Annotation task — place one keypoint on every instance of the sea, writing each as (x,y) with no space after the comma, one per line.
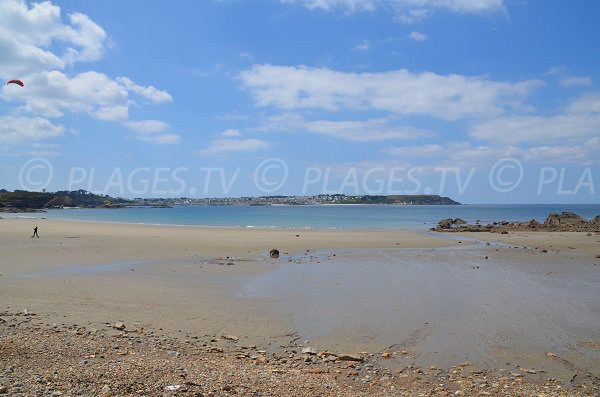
(408,217)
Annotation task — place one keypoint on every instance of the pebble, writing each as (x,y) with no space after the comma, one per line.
(309,350)
(119,325)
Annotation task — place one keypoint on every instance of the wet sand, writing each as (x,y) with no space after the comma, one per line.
(425,299)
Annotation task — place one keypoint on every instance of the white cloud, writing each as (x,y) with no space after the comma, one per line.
(580,120)
(112,113)
(378,129)
(574,81)
(160,139)
(400,92)
(147,126)
(588,103)
(24,130)
(149,92)
(151,131)
(87,36)
(221,145)
(349,6)
(465,154)
(417,36)
(52,93)
(37,43)
(406,10)
(28,34)
(417,150)
(521,129)
(231,133)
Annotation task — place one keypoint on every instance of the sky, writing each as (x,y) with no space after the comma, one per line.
(484,101)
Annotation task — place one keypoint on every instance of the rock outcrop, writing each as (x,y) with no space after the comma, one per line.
(563,222)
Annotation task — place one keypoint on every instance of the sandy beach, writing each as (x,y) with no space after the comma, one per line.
(520,308)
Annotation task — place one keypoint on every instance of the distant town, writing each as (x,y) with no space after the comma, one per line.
(321,199)
(21,200)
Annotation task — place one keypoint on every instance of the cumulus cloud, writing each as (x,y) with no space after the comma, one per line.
(400,92)
(52,93)
(378,129)
(25,130)
(580,120)
(27,36)
(37,43)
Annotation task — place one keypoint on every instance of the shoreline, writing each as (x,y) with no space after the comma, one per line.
(345,291)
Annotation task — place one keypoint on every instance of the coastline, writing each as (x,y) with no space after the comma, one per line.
(338,289)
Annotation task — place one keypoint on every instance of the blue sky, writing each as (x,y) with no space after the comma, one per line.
(485,101)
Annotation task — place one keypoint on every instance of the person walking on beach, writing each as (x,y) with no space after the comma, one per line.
(35,234)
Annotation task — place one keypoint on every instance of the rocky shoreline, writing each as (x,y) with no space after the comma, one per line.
(43,359)
(563,222)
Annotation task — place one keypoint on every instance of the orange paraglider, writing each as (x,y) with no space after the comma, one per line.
(18,82)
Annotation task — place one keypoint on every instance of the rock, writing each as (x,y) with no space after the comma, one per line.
(459,221)
(504,232)
(274,253)
(3,389)
(565,218)
(230,337)
(350,357)
(119,325)
(309,350)
(445,223)
(106,389)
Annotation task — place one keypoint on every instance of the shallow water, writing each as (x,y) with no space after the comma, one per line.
(442,305)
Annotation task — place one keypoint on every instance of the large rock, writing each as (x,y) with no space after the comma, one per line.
(445,223)
(565,218)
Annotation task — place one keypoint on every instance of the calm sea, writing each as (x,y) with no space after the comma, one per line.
(320,217)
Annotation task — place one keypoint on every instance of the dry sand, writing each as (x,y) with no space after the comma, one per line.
(190,286)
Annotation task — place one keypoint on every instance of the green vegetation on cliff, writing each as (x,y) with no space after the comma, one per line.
(417,199)
(21,199)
